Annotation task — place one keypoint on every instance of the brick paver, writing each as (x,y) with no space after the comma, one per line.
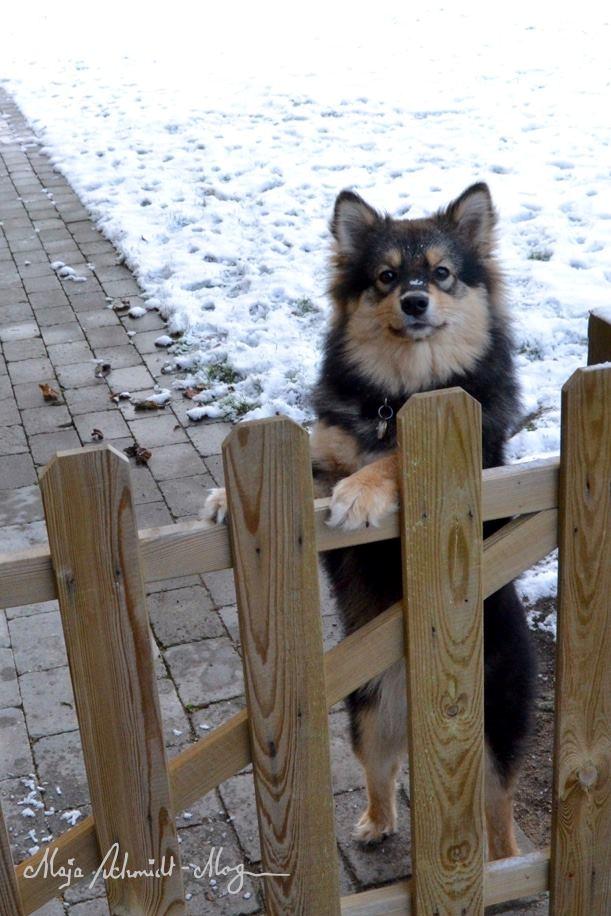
(52,331)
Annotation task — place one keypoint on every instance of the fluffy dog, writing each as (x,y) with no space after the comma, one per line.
(418,305)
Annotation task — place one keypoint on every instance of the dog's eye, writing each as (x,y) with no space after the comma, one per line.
(441,273)
(387,276)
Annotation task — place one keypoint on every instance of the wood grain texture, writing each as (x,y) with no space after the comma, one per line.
(10,899)
(581,813)
(94,545)
(191,548)
(271,522)
(356,660)
(440,455)
(504,880)
(599,337)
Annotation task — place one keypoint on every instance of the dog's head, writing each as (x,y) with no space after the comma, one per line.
(408,279)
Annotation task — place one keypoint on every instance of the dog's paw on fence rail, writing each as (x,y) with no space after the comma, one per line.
(215,507)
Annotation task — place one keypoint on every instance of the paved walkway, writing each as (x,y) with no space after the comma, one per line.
(51,331)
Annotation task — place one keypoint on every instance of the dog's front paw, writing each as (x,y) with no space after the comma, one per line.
(215,507)
(373,830)
(362,499)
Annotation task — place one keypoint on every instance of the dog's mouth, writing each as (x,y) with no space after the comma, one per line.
(416,330)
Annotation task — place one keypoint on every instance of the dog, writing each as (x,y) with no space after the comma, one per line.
(418,305)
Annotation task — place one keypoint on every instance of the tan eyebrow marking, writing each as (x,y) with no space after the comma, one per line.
(435,255)
(392,258)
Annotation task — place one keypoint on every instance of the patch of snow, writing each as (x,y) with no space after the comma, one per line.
(161,397)
(215,174)
(67,273)
(71,817)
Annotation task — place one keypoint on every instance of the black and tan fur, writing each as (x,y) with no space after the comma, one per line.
(417,306)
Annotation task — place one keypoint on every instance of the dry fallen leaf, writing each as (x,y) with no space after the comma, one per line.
(102,369)
(117,396)
(136,451)
(97,435)
(119,305)
(192,391)
(48,393)
(146,405)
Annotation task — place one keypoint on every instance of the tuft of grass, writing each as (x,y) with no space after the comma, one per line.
(540,254)
(530,421)
(236,406)
(222,372)
(305,307)
(532,351)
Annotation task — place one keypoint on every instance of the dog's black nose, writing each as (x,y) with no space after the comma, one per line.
(415,304)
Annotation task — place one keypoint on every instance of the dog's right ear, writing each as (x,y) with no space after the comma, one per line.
(352,220)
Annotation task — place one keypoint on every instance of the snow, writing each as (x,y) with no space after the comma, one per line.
(159,398)
(136,311)
(210,145)
(71,817)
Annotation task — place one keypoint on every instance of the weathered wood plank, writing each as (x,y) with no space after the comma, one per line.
(599,336)
(94,545)
(581,812)
(504,880)
(189,548)
(220,755)
(271,522)
(10,899)
(440,457)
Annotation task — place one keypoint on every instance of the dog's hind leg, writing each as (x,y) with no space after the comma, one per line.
(379,738)
(498,794)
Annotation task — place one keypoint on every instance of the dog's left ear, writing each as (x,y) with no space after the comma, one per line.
(474,216)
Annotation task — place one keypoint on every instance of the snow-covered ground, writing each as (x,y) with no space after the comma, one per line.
(209,143)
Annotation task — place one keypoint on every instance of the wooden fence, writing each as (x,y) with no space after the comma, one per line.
(98,562)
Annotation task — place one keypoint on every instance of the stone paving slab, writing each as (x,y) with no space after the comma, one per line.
(205,671)
(183,615)
(47,651)
(48,701)
(15,751)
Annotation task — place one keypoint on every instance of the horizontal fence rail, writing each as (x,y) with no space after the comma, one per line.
(505,879)
(191,548)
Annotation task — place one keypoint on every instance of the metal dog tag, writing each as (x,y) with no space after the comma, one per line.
(385,413)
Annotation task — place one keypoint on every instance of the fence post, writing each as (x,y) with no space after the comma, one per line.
(10,899)
(271,517)
(93,541)
(599,336)
(440,451)
(581,812)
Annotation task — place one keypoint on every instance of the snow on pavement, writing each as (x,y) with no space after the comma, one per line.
(210,147)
